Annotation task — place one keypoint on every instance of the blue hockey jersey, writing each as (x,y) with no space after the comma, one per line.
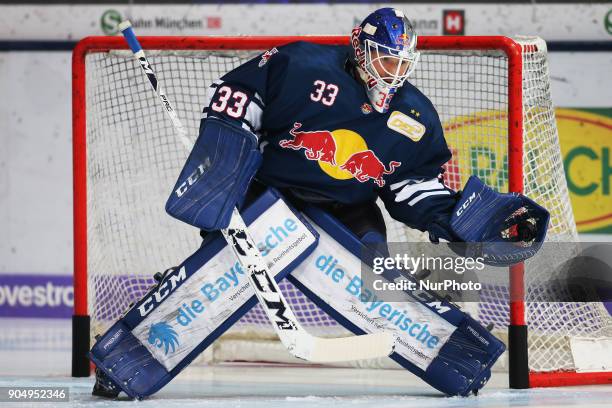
(320,134)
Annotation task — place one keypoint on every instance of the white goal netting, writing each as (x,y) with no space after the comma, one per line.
(134,158)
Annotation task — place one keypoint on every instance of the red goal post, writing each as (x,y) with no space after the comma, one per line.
(514,53)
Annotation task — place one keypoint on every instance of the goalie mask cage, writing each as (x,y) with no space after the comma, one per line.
(492,95)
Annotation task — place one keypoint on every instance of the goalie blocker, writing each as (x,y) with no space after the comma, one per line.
(199,300)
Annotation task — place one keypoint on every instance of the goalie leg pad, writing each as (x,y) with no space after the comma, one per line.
(127,362)
(463,363)
(435,339)
(197,301)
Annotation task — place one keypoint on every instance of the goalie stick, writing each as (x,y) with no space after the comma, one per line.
(294,337)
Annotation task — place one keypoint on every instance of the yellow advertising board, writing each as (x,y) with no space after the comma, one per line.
(586,146)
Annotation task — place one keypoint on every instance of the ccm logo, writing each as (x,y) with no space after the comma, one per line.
(193,177)
(162,292)
(465,205)
(433,303)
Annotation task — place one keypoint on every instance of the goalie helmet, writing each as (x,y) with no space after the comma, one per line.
(384,54)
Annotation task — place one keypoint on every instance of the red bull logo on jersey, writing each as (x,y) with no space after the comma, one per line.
(366,166)
(342,154)
(319,145)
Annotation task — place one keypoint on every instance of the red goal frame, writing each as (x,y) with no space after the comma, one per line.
(518,367)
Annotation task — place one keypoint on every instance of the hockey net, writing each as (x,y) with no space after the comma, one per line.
(127,158)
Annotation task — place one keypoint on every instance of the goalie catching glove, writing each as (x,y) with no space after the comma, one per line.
(218,171)
(503,229)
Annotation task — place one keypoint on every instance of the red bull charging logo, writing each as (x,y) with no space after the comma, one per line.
(342,154)
(319,144)
(365,166)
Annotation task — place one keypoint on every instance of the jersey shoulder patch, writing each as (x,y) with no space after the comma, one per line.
(406,125)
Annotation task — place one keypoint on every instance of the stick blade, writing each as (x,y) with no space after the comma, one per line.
(367,346)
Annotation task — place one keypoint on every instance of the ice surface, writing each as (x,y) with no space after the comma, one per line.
(28,363)
(255,386)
